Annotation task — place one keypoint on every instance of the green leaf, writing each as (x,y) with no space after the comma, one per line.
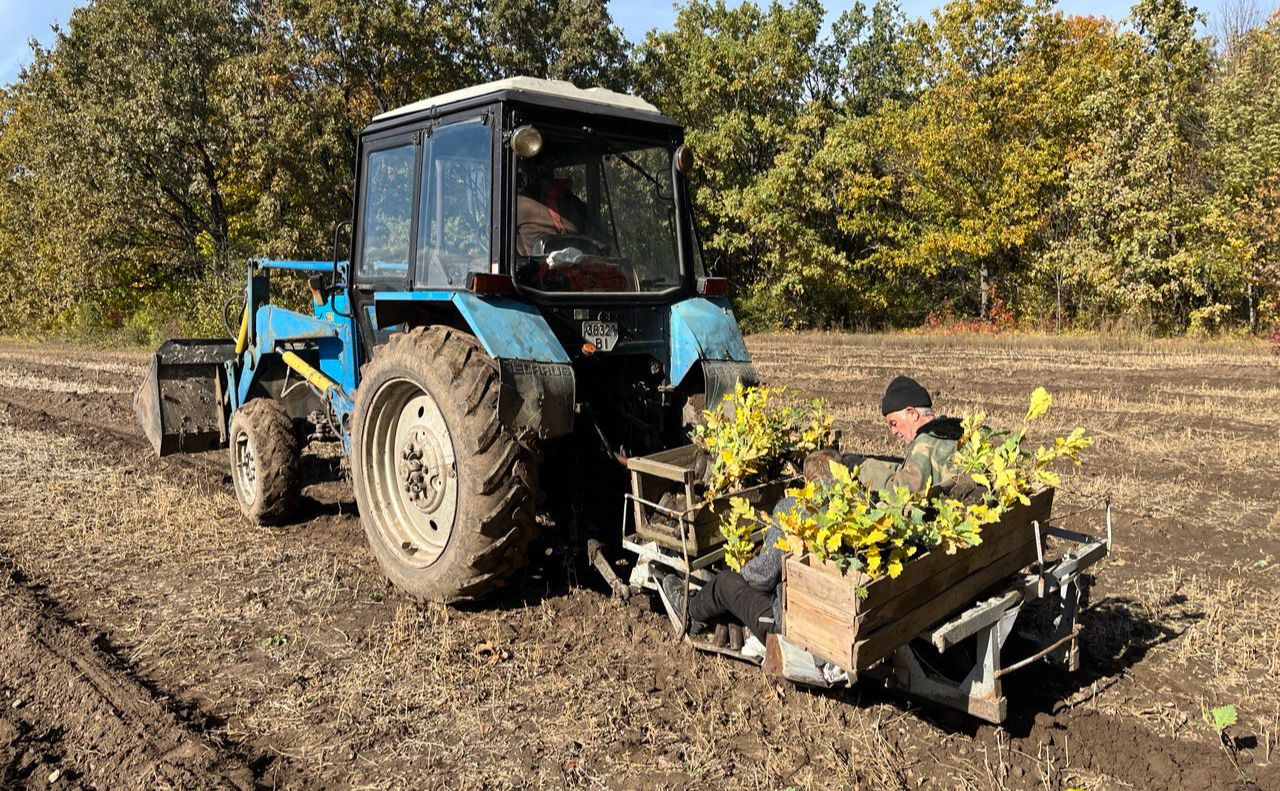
(1222,717)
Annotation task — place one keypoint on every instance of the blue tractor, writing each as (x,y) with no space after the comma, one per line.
(524,306)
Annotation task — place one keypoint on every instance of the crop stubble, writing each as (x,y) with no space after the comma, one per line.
(284,649)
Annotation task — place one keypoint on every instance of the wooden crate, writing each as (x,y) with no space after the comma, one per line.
(823,614)
(672,470)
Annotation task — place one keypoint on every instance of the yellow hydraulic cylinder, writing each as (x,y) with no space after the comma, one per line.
(242,338)
(307,372)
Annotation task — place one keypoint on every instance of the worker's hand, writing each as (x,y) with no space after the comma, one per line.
(852,460)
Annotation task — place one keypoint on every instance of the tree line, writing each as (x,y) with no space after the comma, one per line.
(998,162)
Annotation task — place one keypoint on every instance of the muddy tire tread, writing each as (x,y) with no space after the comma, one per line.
(277,454)
(498,494)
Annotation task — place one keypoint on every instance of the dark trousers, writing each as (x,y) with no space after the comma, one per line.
(728,593)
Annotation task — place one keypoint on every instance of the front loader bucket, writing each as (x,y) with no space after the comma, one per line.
(181,403)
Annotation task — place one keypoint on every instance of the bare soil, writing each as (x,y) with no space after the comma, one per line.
(155,639)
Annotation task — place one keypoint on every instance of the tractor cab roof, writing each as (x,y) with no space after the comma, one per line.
(529,90)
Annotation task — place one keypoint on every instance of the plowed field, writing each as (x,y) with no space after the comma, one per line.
(152,638)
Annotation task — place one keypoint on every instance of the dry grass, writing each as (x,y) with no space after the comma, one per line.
(291,639)
(1034,341)
(22,380)
(299,647)
(122,364)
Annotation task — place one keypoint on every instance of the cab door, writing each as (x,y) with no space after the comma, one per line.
(383,249)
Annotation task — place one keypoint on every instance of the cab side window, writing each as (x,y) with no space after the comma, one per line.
(388,212)
(453,226)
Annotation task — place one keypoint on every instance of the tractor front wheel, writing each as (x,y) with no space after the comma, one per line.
(446,493)
(265,459)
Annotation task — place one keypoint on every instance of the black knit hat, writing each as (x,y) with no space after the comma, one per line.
(904,392)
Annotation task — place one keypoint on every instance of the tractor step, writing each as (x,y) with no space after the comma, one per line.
(181,404)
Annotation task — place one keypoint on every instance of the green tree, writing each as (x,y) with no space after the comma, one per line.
(951,188)
(1242,226)
(158,143)
(572,40)
(125,147)
(743,81)
(1138,186)
(320,71)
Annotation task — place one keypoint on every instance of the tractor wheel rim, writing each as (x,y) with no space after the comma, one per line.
(415,478)
(245,468)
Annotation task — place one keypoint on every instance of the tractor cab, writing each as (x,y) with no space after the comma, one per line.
(563,191)
(572,202)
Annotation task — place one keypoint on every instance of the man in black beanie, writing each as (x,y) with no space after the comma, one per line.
(931,440)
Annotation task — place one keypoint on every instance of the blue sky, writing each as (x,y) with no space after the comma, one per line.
(21,20)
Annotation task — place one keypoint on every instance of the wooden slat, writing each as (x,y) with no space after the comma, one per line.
(816,631)
(926,566)
(704,523)
(821,594)
(1016,521)
(967,561)
(823,614)
(808,582)
(880,643)
(672,464)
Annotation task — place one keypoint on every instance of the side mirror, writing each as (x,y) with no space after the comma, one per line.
(684,159)
(337,235)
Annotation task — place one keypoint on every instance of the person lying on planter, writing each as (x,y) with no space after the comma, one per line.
(930,438)
(752,595)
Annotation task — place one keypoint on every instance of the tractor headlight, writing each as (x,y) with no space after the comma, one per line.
(684,158)
(526,141)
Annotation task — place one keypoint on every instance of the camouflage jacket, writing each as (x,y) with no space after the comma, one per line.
(926,465)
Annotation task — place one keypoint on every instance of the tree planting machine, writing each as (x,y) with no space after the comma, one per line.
(523,311)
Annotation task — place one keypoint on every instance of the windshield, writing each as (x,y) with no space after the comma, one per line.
(596,215)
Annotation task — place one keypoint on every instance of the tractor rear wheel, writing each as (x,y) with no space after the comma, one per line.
(446,493)
(265,461)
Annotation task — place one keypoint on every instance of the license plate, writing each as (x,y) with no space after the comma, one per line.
(604,334)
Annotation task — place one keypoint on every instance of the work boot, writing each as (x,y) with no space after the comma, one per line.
(673,587)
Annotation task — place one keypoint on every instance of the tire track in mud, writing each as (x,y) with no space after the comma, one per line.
(72,715)
(71,708)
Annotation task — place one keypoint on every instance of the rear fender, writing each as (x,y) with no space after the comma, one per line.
(536,399)
(704,331)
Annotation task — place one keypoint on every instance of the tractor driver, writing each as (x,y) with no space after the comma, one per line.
(546,207)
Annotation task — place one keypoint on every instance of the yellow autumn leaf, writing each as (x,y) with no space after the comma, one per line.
(873,561)
(1048,478)
(894,567)
(840,473)
(876,536)
(1040,400)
